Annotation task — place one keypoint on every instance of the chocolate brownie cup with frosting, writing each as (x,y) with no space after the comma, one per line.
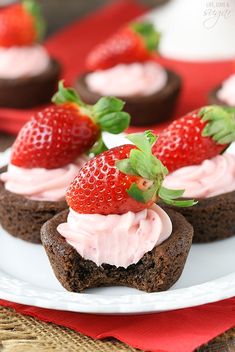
(157,270)
(195,148)
(46,156)
(114,233)
(126,65)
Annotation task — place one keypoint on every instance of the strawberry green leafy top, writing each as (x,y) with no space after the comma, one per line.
(34,9)
(220,123)
(144,164)
(147,31)
(106,113)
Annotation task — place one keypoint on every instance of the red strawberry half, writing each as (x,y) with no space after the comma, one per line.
(135,42)
(122,179)
(21,24)
(199,135)
(57,135)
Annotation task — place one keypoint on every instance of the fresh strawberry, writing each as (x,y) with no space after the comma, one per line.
(134,42)
(122,179)
(200,135)
(57,135)
(21,24)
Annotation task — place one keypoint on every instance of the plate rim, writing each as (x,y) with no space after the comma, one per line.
(30,294)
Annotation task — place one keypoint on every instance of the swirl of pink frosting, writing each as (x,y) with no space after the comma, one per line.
(227,92)
(137,79)
(39,183)
(119,240)
(18,62)
(208,179)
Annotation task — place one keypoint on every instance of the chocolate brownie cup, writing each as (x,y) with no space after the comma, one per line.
(27,92)
(144,110)
(212,218)
(22,217)
(158,270)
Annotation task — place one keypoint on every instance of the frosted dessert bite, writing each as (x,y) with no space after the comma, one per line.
(225,93)
(193,148)
(113,232)
(125,66)
(47,155)
(28,75)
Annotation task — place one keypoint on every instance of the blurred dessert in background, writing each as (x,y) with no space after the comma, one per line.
(28,75)
(125,65)
(224,94)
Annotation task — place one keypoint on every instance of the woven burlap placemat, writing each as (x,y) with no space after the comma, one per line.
(20,333)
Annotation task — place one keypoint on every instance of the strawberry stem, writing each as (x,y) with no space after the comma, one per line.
(34,9)
(148,33)
(66,95)
(144,164)
(220,123)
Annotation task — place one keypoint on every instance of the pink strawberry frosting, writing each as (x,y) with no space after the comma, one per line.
(210,178)
(227,92)
(137,79)
(18,62)
(119,240)
(39,183)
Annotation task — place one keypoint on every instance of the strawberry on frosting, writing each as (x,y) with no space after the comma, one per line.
(200,135)
(125,178)
(135,42)
(49,149)
(57,135)
(193,149)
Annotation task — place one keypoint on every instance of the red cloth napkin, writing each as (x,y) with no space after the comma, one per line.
(72,44)
(177,331)
(180,330)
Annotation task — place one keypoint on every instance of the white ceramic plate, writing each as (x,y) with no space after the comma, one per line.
(26,277)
